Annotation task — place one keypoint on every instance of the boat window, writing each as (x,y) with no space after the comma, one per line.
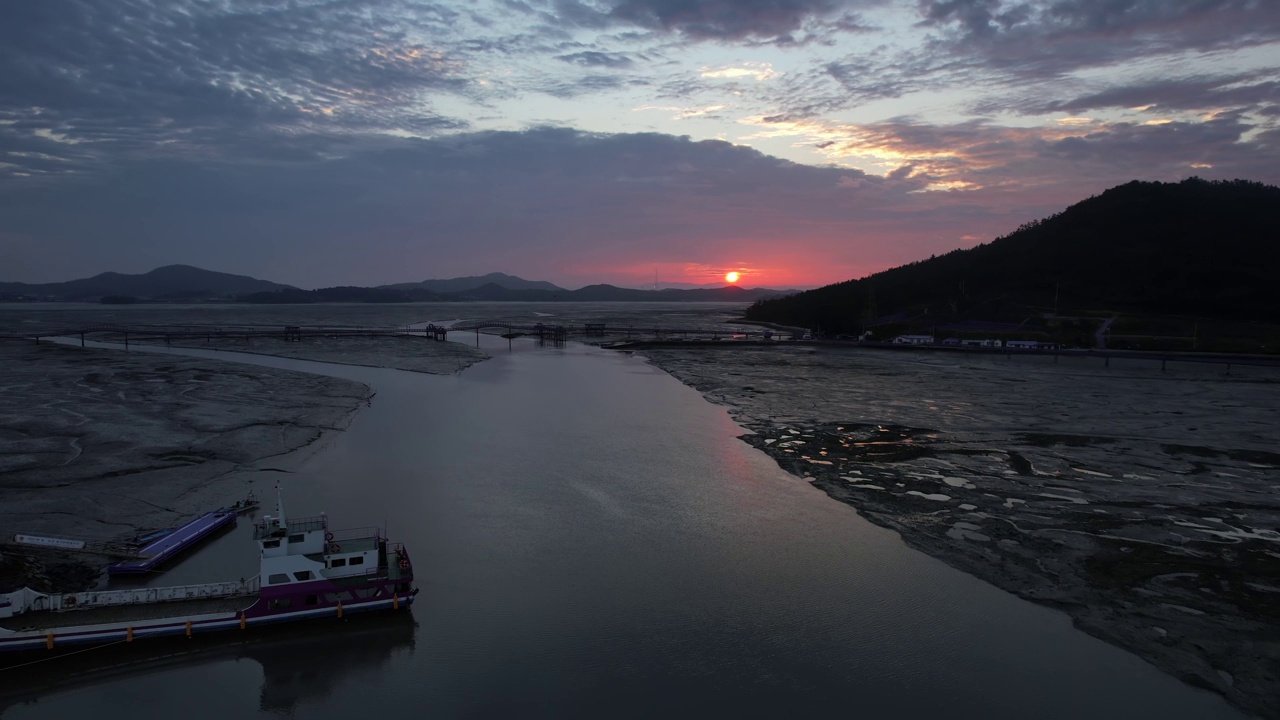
(338,596)
(270,543)
(338,562)
(366,592)
(357,560)
(281,603)
(302,575)
(277,578)
(313,599)
(297,538)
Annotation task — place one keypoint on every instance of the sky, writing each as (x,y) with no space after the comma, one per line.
(797,142)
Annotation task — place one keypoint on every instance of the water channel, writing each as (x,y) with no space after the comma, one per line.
(591,539)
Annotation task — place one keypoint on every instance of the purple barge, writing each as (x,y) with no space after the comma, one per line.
(164,548)
(308,571)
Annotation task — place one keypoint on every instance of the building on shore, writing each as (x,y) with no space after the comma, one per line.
(913,340)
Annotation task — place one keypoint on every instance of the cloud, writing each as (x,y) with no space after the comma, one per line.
(759,71)
(1047,38)
(722,20)
(1070,157)
(548,201)
(1170,94)
(292,134)
(977,17)
(135,74)
(591,58)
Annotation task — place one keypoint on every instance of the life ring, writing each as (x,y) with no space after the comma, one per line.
(69,601)
(335,547)
(404,564)
(328,537)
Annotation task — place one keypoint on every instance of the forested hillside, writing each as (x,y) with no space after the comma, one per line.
(1195,249)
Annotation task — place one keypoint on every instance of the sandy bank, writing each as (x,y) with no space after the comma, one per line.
(101,444)
(1144,504)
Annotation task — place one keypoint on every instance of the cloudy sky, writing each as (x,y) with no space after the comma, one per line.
(800,142)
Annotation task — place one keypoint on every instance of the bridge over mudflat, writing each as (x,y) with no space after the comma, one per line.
(604,330)
(623,337)
(127,334)
(151,334)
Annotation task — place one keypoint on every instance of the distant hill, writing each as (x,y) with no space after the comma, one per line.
(463,284)
(344,294)
(183,283)
(1194,248)
(611,293)
(172,282)
(493,292)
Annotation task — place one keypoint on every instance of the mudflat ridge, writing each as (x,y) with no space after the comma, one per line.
(401,352)
(1144,504)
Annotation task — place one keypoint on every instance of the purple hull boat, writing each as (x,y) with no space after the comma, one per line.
(308,571)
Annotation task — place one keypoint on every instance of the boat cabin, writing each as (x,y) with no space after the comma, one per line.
(303,550)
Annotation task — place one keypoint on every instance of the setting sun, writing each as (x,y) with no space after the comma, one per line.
(731,276)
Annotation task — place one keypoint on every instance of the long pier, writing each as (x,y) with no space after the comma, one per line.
(149,334)
(619,337)
(139,334)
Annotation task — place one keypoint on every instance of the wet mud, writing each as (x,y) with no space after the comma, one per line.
(1144,504)
(101,445)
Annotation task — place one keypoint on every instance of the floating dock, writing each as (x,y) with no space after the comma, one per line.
(158,551)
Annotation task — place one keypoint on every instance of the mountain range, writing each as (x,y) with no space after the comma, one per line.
(494,292)
(463,284)
(173,283)
(183,283)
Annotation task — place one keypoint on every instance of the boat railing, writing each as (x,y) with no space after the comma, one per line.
(373,533)
(148,595)
(268,526)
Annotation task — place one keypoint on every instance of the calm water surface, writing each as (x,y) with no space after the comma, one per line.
(592,540)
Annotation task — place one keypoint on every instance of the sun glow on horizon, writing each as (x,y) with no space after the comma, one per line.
(731,277)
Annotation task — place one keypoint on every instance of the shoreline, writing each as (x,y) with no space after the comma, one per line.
(137,486)
(181,461)
(104,445)
(788,395)
(1029,493)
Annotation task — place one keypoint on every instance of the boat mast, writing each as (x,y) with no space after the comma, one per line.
(280,509)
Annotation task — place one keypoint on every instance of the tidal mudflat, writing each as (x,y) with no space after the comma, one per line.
(102,444)
(1144,504)
(942,449)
